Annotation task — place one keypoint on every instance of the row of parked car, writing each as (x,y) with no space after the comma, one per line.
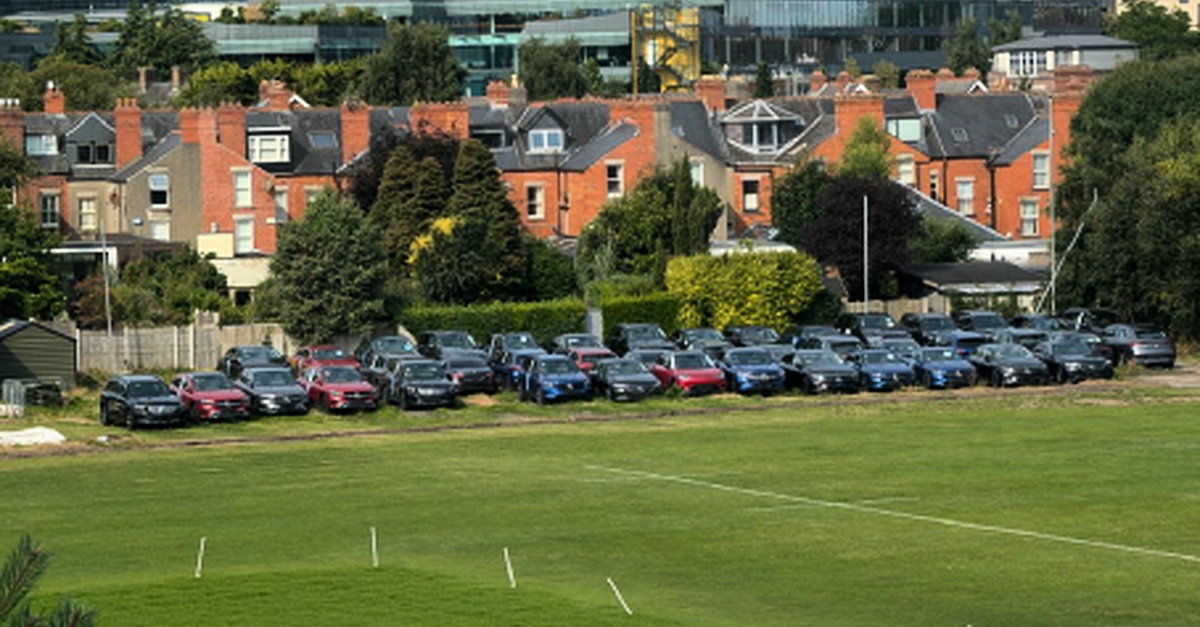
(868,351)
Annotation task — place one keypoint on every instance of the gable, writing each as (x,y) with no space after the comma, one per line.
(91,129)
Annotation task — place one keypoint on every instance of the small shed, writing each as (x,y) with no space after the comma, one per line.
(972,278)
(31,350)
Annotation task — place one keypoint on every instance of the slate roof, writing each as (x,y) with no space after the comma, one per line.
(900,106)
(308,159)
(930,208)
(819,125)
(587,133)
(975,126)
(14,326)
(594,150)
(149,158)
(1065,42)
(690,121)
(972,272)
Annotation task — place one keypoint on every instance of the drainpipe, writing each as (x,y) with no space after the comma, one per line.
(991,168)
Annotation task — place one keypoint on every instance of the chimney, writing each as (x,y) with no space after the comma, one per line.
(711,90)
(497,94)
(843,80)
(636,111)
(129,131)
(1072,79)
(206,126)
(12,123)
(849,109)
(923,86)
(816,82)
(189,125)
(356,129)
(55,101)
(231,127)
(971,74)
(440,117)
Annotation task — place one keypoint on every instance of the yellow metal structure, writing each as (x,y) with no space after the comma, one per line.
(666,39)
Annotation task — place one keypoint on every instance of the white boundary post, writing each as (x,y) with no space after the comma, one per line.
(374,548)
(620,599)
(200,557)
(512,578)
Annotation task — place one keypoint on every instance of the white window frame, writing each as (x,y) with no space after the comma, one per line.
(751,201)
(614,185)
(546,140)
(88,214)
(243,188)
(281,208)
(41,144)
(1041,170)
(1030,217)
(160,230)
(696,169)
(270,148)
(243,235)
(964,203)
(159,182)
(45,198)
(535,201)
(906,170)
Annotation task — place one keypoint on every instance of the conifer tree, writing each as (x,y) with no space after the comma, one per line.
(395,190)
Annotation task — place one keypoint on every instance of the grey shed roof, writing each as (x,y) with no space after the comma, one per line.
(1065,42)
(14,326)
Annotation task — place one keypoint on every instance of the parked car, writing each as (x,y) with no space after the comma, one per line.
(1009,365)
(506,369)
(693,372)
(941,367)
(471,375)
(751,370)
(624,380)
(816,371)
(881,370)
(210,396)
(1093,319)
(1073,361)
(140,401)
(702,339)
(928,329)
(338,388)
(587,358)
(648,356)
(964,343)
(505,342)
(1142,344)
(421,383)
(797,335)
(1025,337)
(380,371)
(386,345)
(905,348)
(562,344)
(272,391)
(549,378)
(627,337)
(845,346)
(986,323)
(751,335)
(441,344)
(870,327)
(1093,341)
(251,356)
(321,355)
(779,352)
(1041,322)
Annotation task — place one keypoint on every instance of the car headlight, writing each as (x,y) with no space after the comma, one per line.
(1073,365)
(335,394)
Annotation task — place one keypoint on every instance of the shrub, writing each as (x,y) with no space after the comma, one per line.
(543,319)
(773,289)
(661,308)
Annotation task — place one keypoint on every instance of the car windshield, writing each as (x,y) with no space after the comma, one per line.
(559,366)
(147,389)
(749,358)
(880,357)
(971,342)
(902,346)
(692,362)
(326,354)
(210,382)
(394,345)
(517,341)
(342,375)
(779,351)
(260,353)
(1151,334)
(819,359)
(1012,351)
(1070,348)
(937,324)
(876,321)
(646,357)
(595,358)
(625,366)
(988,321)
(582,341)
(424,372)
(842,348)
(703,334)
(937,354)
(272,379)
(645,333)
(457,340)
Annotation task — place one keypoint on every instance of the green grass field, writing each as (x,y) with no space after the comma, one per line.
(1018,510)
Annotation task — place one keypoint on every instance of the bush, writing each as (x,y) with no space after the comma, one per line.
(544,319)
(661,308)
(772,289)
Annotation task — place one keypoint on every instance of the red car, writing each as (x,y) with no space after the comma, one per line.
(587,358)
(210,396)
(692,371)
(323,355)
(336,388)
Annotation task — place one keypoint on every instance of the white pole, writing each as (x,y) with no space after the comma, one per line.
(512,578)
(374,549)
(620,599)
(866,230)
(200,557)
(1053,225)
(112,362)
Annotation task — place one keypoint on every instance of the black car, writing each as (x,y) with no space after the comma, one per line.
(1073,361)
(272,391)
(870,327)
(471,375)
(1142,344)
(648,356)
(1093,341)
(1025,337)
(386,346)
(1093,319)
(442,344)
(239,358)
(1041,322)
(507,342)
(1008,365)
(709,341)
(565,343)
(643,335)
(986,323)
(421,383)
(846,346)
(815,371)
(797,335)
(751,335)
(928,329)
(624,380)
(904,347)
(140,401)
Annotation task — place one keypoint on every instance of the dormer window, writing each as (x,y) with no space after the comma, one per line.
(546,140)
(762,127)
(905,129)
(91,153)
(762,136)
(41,144)
(269,149)
(960,134)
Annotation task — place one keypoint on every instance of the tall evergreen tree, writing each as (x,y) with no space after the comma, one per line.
(396,188)
(414,64)
(72,43)
(764,84)
(159,40)
(794,200)
(552,70)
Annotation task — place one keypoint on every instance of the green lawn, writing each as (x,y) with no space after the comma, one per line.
(1011,511)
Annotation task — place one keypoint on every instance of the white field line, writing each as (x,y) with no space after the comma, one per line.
(866,509)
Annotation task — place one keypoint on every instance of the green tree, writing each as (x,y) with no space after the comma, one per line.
(411,196)
(1159,32)
(157,289)
(794,200)
(25,566)
(414,64)
(551,272)
(30,286)
(942,241)
(648,81)
(887,72)
(764,83)
(593,78)
(968,48)
(328,84)
(852,68)
(866,154)
(72,43)
(159,39)
(330,271)
(1001,32)
(218,83)
(551,70)
(86,87)
(747,288)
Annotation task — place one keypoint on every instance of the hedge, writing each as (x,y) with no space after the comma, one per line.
(543,319)
(661,308)
(748,288)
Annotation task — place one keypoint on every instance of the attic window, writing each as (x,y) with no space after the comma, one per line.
(1010,120)
(546,140)
(322,140)
(41,144)
(269,149)
(960,134)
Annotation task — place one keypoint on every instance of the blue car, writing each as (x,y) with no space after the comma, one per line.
(508,365)
(881,370)
(752,370)
(964,343)
(941,368)
(548,378)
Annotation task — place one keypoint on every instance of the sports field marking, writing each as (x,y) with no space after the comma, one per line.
(879,511)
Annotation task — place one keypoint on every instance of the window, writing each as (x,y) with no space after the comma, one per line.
(1027,63)
(49,210)
(750,196)
(281,203)
(906,170)
(87,214)
(160,230)
(905,130)
(322,140)
(965,192)
(960,135)
(269,148)
(546,140)
(160,189)
(535,202)
(103,153)
(697,168)
(1041,170)
(1029,217)
(933,184)
(93,154)
(1010,120)
(83,153)
(241,189)
(41,144)
(614,174)
(243,236)
(764,136)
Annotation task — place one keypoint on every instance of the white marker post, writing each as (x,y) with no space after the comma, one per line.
(200,557)
(374,549)
(620,599)
(512,578)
